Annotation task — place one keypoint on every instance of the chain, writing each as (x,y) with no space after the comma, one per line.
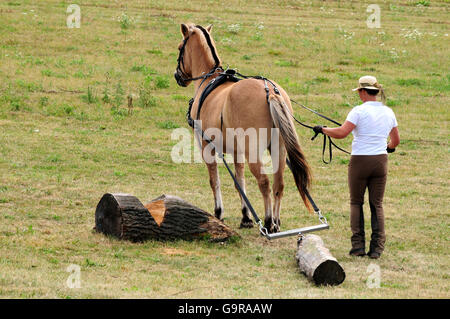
(300,238)
(322,218)
(262,229)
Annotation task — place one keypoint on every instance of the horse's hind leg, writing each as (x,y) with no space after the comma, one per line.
(264,186)
(278,184)
(246,221)
(214,182)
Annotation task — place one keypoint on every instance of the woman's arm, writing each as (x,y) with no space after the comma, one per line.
(394,138)
(341,131)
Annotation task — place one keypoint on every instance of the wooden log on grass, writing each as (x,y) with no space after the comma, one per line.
(317,263)
(164,218)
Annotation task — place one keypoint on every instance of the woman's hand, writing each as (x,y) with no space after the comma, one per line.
(318,129)
(394,138)
(339,132)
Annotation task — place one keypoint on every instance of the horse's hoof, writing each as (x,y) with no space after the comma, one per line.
(270,229)
(218,212)
(276,228)
(278,223)
(269,225)
(246,224)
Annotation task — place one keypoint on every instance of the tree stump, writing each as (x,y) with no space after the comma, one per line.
(317,263)
(164,218)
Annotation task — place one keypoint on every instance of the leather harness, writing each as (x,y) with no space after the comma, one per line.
(228,75)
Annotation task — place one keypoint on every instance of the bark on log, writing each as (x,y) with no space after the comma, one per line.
(164,218)
(317,263)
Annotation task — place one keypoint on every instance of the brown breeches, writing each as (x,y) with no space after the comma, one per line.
(367,171)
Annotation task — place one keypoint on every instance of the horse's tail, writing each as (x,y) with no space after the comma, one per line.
(283,122)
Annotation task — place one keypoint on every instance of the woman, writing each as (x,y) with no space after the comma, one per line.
(371,123)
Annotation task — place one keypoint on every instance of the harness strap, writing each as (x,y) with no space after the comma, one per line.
(266,88)
(212,85)
(262,229)
(204,76)
(322,218)
(330,143)
(191,101)
(324,147)
(188,114)
(317,113)
(241,191)
(325,137)
(310,199)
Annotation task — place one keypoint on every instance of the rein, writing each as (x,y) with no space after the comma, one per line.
(325,137)
(231,75)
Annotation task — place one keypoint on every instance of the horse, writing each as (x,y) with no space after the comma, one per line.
(249,103)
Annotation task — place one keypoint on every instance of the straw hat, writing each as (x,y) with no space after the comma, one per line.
(368,82)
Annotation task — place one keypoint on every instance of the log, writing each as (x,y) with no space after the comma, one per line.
(317,263)
(164,218)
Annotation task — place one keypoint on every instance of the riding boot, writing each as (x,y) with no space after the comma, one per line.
(378,237)
(358,238)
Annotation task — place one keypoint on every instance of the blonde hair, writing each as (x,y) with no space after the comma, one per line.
(381,90)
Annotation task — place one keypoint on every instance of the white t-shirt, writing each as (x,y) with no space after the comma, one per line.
(374,121)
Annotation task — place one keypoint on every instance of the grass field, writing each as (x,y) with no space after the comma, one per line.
(66,138)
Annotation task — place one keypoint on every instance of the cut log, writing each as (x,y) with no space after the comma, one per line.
(164,218)
(317,263)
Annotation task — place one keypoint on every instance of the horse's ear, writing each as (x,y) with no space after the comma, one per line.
(184,30)
(209,28)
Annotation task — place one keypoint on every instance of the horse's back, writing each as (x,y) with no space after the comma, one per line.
(246,105)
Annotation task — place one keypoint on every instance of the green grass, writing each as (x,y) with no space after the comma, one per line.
(67,137)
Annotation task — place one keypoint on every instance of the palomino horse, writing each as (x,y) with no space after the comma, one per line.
(243,105)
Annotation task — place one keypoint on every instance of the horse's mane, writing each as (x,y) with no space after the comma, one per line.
(209,49)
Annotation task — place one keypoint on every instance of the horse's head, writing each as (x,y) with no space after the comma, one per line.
(192,45)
